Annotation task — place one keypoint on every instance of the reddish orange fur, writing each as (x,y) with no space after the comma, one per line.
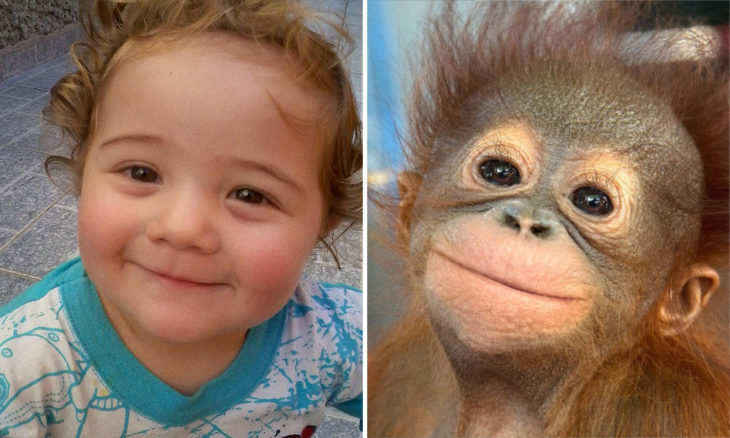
(654,386)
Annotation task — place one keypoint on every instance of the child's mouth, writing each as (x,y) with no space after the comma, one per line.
(176,280)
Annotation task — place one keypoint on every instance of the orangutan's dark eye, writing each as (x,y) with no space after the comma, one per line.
(500,173)
(592,201)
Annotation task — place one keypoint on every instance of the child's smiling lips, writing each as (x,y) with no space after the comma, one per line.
(178,280)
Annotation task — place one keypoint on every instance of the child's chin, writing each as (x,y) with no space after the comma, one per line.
(174,329)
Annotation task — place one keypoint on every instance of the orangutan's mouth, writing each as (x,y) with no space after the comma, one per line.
(514,285)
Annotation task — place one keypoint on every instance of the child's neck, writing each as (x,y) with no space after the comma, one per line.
(184,367)
(187,368)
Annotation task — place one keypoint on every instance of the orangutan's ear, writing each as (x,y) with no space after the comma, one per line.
(681,308)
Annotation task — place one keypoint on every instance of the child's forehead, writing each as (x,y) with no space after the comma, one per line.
(212,83)
(207,47)
(216,58)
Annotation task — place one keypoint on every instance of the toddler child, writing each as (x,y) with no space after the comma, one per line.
(214,143)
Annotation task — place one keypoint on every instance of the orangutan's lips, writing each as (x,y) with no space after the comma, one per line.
(501,281)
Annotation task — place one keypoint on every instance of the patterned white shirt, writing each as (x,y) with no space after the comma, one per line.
(65,372)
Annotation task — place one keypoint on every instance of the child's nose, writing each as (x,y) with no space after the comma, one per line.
(185,221)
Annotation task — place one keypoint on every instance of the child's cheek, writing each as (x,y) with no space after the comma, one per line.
(273,257)
(103,224)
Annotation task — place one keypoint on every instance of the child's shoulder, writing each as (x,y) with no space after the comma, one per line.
(328,312)
(340,299)
(65,273)
(34,332)
(325,324)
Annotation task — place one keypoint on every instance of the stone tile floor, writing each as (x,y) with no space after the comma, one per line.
(38,219)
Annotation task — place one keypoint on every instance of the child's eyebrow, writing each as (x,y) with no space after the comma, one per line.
(136,138)
(235,161)
(270,171)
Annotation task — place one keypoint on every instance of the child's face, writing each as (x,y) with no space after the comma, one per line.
(199,203)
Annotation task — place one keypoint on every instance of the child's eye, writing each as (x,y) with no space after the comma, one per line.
(142,174)
(249,196)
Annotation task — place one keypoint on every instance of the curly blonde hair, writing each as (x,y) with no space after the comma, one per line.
(283,24)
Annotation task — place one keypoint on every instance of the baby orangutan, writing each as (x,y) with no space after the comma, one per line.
(564,214)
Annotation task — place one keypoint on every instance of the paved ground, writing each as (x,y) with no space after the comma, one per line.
(38,219)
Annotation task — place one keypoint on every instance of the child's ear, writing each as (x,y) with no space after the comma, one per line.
(682,307)
(330,223)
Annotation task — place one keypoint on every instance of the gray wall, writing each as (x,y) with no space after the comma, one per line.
(22,19)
